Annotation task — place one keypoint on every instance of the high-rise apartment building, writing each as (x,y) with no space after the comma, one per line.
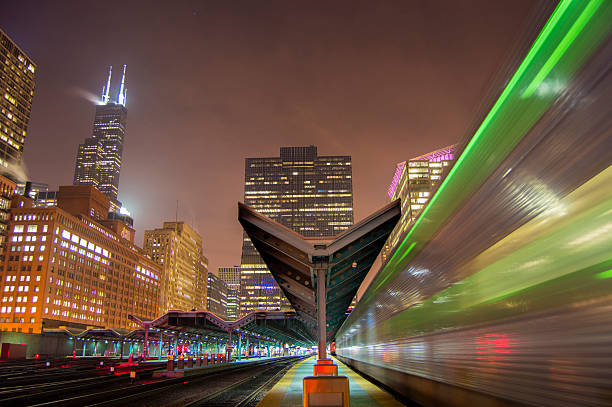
(16,93)
(308,193)
(64,266)
(231,276)
(414,181)
(216,296)
(98,161)
(178,249)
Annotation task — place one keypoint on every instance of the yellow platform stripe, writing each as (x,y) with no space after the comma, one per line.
(380,396)
(277,393)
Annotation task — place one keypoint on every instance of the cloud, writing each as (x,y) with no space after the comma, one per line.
(84,94)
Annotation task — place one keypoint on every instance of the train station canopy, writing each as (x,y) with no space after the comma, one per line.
(347,258)
(268,326)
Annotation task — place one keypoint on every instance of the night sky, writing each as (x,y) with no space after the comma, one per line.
(210,83)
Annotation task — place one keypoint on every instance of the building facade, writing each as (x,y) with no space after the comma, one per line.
(16,93)
(413,182)
(98,161)
(311,194)
(231,277)
(7,189)
(62,267)
(216,296)
(38,192)
(178,250)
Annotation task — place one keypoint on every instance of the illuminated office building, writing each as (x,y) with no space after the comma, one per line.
(38,192)
(66,266)
(413,182)
(311,194)
(231,276)
(33,188)
(16,93)
(178,249)
(98,161)
(216,296)
(7,189)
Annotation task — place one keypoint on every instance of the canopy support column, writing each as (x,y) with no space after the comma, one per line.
(321,311)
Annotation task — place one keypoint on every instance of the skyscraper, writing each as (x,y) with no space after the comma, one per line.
(310,194)
(178,248)
(414,181)
(231,276)
(216,296)
(98,161)
(16,92)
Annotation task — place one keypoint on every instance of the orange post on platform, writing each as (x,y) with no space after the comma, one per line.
(325,370)
(329,391)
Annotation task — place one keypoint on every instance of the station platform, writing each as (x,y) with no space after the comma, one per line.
(189,371)
(288,391)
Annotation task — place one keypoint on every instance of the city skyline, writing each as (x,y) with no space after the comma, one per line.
(418,194)
(252,96)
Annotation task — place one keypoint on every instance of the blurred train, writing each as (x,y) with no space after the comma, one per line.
(501,292)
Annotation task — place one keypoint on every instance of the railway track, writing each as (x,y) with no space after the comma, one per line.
(41,391)
(87,392)
(245,392)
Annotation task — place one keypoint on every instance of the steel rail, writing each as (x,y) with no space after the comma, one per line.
(208,399)
(135,392)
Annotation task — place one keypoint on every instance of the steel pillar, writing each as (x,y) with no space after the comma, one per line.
(321,300)
(159,350)
(239,347)
(229,348)
(146,343)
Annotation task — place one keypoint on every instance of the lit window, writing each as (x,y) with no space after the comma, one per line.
(18,229)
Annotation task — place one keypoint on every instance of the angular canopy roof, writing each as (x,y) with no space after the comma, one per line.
(271,325)
(347,257)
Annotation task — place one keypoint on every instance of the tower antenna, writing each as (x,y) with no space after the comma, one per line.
(106,97)
(121,95)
